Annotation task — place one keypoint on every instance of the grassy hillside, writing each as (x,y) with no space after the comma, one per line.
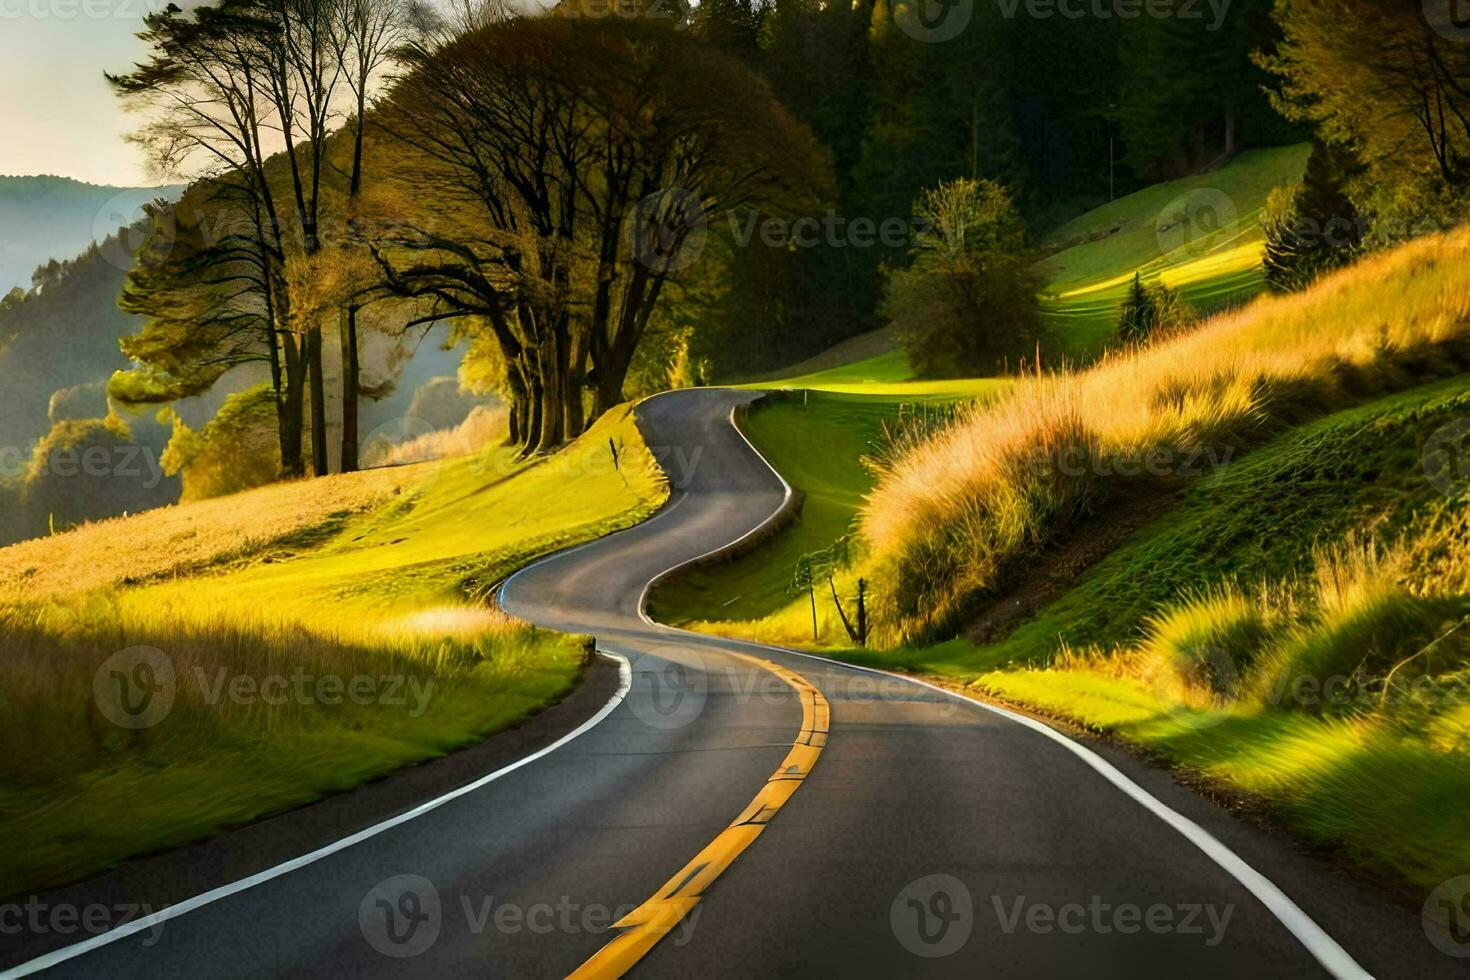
(1288,619)
(957,517)
(1201,235)
(379,578)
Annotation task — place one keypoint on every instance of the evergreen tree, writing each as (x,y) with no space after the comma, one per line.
(1137,315)
(1316,226)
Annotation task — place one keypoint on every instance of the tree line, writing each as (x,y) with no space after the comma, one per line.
(545,183)
(533,179)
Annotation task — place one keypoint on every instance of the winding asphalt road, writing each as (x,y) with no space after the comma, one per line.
(773,814)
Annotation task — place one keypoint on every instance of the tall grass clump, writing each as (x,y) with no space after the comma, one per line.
(1205,643)
(1369,637)
(952,519)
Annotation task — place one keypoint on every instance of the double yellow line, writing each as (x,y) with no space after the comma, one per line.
(651,921)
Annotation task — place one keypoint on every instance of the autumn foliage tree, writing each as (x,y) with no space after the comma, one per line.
(573,167)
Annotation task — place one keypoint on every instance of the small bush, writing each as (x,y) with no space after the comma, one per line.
(1152,310)
(1207,642)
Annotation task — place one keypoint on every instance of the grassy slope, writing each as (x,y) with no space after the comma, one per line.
(1086,282)
(388,583)
(1389,795)
(1088,274)
(1384,786)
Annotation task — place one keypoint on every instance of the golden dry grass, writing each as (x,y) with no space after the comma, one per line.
(485,425)
(950,519)
(186,536)
(372,581)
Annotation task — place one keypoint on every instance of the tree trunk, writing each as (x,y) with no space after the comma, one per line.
(531,437)
(576,377)
(318,402)
(609,392)
(350,377)
(292,463)
(553,396)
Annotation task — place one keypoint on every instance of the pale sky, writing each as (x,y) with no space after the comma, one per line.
(57,115)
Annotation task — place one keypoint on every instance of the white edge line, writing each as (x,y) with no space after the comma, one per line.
(1313,937)
(48,960)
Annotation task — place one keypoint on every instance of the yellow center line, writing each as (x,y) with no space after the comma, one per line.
(651,921)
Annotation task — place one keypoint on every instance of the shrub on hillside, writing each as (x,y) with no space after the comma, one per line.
(89,469)
(1151,309)
(236,450)
(1314,227)
(967,300)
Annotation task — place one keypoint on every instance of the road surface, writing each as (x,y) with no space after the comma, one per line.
(742,811)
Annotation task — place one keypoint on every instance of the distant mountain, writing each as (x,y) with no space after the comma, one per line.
(45,218)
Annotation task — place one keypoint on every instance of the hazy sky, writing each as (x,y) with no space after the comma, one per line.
(57,115)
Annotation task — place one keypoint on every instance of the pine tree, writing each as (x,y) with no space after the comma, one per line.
(1138,314)
(1316,227)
